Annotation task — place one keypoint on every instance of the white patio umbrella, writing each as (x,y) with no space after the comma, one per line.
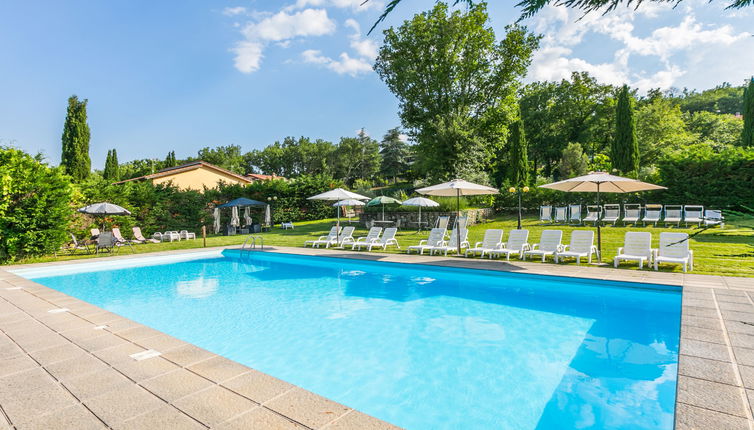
(216,225)
(247,216)
(602,182)
(421,202)
(234,220)
(338,194)
(267,216)
(457,188)
(103,209)
(349,202)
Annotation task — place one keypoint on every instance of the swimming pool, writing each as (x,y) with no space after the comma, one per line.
(423,347)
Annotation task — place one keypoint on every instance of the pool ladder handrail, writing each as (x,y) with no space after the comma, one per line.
(253,243)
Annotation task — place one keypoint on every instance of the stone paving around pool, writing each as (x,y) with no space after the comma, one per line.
(65,363)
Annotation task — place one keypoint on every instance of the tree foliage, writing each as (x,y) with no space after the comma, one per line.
(170,160)
(625,149)
(228,157)
(75,154)
(747,136)
(292,157)
(723,98)
(395,153)
(519,161)
(573,162)
(713,128)
(454,80)
(112,167)
(34,206)
(659,127)
(357,158)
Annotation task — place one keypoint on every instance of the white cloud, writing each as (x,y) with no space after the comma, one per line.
(279,28)
(233,11)
(673,48)
(354,5)
(345,65)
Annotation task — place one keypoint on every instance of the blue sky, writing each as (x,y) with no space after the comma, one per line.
(180,76)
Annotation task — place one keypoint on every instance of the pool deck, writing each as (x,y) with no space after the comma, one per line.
(65,363)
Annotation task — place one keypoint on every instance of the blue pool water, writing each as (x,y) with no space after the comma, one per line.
(419,346)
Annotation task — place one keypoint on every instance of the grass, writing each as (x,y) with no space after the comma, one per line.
(728,251)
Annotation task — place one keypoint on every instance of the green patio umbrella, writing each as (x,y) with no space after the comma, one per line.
(383,201)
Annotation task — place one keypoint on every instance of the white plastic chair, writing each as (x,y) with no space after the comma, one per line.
(673,215)
(593,213)
(493,240)
(549,244)
(652,213)
(517,244)
(574,214)
(693,214)
(631,213)
(387,239)
(331,236)
(186,235)
(545,213)
(582,245)
(345,237)
(561,214)
(637,246)
(436,238)
(674,248)
(612,214)
(713,217)
(372,234)
(452,244)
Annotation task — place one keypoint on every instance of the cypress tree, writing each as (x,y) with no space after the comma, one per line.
(170,160)
(112,168)
(75,155)
(625,146)
(748,132)
(519,175)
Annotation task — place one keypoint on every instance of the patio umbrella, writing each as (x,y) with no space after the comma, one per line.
(349,202)
(421,202)
(601,182)
(242,201)
(338,194)
(234,221)
(103,209)
(457,188)
(216,215)
(247,216)
(267,216)
(383,201)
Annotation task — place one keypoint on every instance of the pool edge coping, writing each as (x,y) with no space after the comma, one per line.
(713,342)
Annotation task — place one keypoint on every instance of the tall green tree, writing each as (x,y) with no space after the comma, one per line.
(112,167)
(659,127)
(519,160)
(228,157)
(625,148)
(747,137)
(357,158)
(573,161)
(75,155)
(395,154)
(170,160)
(456,85)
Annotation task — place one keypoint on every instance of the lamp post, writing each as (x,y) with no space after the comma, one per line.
(519,191)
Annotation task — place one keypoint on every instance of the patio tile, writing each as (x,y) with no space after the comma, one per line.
(119,353)
(29,404)
(744,356)
(214,405)
(742,299)
(145,369)
(701,349)
(703,322)
(746,317)
(260,418)
(166,417)
(15,364)
(74,417)
(57,353)
(358,420)
(703,334)
(711,395)
(103,341)
(692,418)
(709,304)
(258,386)
(122,404)
(307,408)
(135,334)
(218,368)
(161,342)
(711,370)
(739,327)
(22,382)
(741,340)
(96,383)
(174,385)
(75,367)
(80,334)
(187,355)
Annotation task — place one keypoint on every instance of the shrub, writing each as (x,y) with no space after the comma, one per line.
(35,206)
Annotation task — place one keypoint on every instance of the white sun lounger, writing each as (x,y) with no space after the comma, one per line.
(373,234)
(387,239)
(593,213)
(637,246)
(582,245)
(693,214)
(652,213)
(574,214)
(186,235)
(493,240)
(545,213)
(612,214)
(452,244)
(345,237)
(436,238)
(674,248)
(140,237)
(631,213)
(713,217)
(516,244)
(548,244)
(561,214)
(331,236)
(673,214)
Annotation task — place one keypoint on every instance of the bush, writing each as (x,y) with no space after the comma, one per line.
(699,174)
(35,206)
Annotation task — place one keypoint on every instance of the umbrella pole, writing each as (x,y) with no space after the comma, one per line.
(458,217)
(599,233)
(338,223)
(383,212)
(420,219)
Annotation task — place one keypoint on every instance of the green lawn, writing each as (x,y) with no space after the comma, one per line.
(727,251)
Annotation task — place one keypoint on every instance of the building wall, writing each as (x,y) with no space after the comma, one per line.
(197,179)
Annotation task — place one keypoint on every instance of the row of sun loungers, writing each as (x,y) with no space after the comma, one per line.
(110,241)
(633,214)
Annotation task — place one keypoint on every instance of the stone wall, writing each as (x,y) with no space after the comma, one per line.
(408,219)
